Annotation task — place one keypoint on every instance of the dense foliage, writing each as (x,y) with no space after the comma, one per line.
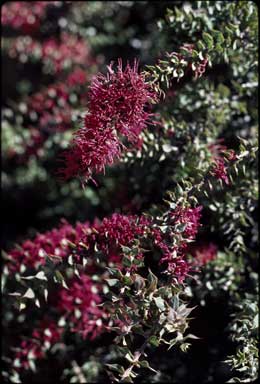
(129,134)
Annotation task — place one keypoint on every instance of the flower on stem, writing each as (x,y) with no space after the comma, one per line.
(78,306)
(54,243)
(117,114)
(221,156)
(183,221)
(42,339)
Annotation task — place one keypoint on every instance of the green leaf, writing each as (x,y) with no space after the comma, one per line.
(126,262)
(201,46)
(218,36)
(159,303)
(208,40)
(127,280)
(153,340)
(180,227)
(218,48)
(115,367)
(126,250)
(112,282)
(153,281)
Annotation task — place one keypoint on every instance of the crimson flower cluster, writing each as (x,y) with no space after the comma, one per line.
(117,114)
(26,15)
(42,339)
(78,306)
(54,243)
(78,309)
(183,221)
(221,157)
(119,230)
(109,235)
(56,54)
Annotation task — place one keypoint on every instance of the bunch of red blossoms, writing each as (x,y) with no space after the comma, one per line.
(42,339)
(118,112)
(220,158)
(185,222)
(108,236)
(77,308)
(54,243)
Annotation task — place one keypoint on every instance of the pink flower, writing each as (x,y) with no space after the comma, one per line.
(189,217)
(54,243)
(186,222)
(118,230)
(79,307)
(204,253)
(121,229)
(77,77)
(109,235)
(116,116)
(178,268)
(121,97)
(219,170)
(53,106)
(93,149)
(221,156)
(42,339)
(70,49)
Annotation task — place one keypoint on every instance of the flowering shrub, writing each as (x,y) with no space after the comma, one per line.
(26,16)
(109,242)
(56,55)
(52,110)
(163,247)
